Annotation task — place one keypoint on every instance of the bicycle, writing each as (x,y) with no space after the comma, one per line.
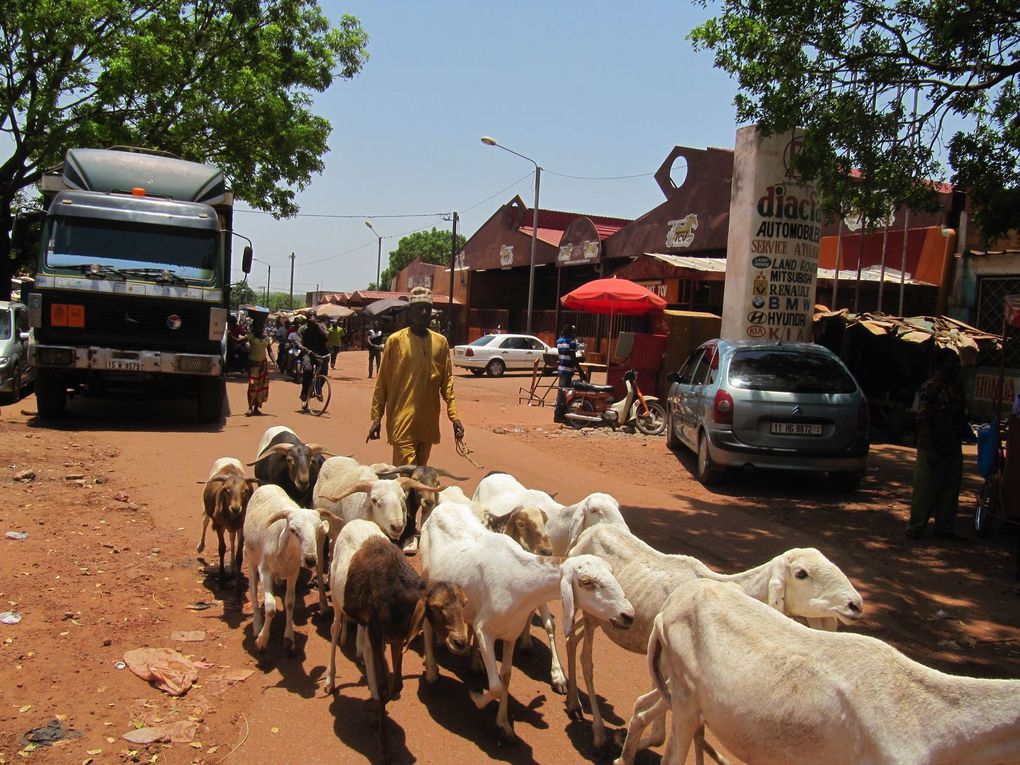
(320,392)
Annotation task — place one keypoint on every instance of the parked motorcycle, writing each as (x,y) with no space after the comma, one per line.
(589,405)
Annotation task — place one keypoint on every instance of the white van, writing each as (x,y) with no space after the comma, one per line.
(15,369)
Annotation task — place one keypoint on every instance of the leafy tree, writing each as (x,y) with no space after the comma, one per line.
(219,81)
(242,294)
(848,73)
(280,301)
(430,246)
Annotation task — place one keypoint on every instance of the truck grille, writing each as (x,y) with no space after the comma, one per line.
(130,322)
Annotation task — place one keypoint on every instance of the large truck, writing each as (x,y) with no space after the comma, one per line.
(132,286)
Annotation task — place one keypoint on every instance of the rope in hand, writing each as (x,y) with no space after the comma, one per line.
(466,451)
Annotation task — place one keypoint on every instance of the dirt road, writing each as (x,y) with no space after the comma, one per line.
(113,513)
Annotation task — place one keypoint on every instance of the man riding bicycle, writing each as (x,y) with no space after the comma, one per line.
(312,340)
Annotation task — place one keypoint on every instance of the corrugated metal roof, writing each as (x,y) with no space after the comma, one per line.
(716,265)
(548,235)
(871,274)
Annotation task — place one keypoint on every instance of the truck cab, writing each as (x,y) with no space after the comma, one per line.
(132,282)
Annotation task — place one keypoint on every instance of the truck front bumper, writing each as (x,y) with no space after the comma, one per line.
(115,360)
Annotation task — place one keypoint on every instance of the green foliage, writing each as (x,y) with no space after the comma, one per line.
(242,294)
(429,246)
(280,301)
(848,72)
(219,81)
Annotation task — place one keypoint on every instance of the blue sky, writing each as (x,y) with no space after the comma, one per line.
(585,89)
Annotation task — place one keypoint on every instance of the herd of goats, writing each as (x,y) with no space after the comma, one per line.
(754,656)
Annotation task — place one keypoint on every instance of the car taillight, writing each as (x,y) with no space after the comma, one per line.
(469,352)
(722,408)
(863,417)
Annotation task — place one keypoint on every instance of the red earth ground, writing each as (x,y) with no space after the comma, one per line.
(113,514)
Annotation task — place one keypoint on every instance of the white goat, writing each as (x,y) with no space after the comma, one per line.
(352,490)
(774,692)
(503,584)
(280,536)
(799,582)
(499,493)
(353,535)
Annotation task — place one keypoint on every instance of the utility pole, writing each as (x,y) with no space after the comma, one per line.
(269,280)
(292,281)
(453,264)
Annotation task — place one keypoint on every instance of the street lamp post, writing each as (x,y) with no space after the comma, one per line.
(378,257)
(490,141)
(269,275)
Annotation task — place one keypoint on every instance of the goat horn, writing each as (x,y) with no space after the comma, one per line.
(410,483)
(274,449)
(448,474)
(216,479)
(328,514)
(320,449)
(360,486)
(277,516)
(403,470)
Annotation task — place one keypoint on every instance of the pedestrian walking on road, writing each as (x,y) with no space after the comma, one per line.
(375,346)
(259,354)
(566,345)
(335,340)
(415,371)
(938,471)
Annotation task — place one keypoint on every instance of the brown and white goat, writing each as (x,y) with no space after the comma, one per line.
(387,597)
(225,499)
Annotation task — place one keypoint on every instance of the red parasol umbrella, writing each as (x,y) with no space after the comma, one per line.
(613,296)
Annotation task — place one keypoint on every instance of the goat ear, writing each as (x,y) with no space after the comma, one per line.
(545,516)
(576,527)
(496,523)
(416,620)
(777,584)
(283,534)
(567,596)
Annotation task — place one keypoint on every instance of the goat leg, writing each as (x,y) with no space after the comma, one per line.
(222,550)
(396,680)
(558,681)
(205,525)
(588,669)
(581,630)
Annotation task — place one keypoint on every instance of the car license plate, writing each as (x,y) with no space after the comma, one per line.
(124,365)
(796,429)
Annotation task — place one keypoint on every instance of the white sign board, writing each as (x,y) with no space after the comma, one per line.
(772,248)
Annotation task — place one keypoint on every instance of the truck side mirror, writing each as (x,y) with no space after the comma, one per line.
(246,257)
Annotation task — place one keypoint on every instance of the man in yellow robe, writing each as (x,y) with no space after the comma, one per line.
(414,372)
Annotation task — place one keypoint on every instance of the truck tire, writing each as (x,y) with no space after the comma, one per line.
(211,393)
(50,395)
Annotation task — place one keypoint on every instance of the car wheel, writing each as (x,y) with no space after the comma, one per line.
(848,481)
(707,471)
(496,368)
(477,372)
(672,442)
(16,386)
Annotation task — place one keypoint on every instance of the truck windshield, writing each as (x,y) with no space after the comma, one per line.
(188,253)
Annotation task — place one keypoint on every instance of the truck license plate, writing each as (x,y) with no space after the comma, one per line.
(124,365)
(796,429)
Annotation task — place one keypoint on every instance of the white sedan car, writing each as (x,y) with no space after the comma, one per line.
(494,354)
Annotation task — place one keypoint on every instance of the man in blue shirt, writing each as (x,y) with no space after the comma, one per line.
(566,345)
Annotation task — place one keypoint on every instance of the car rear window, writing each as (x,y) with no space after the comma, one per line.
(483,340)
(788,372)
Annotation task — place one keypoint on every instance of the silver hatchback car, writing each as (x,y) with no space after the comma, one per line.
(16,370)
(789,406)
